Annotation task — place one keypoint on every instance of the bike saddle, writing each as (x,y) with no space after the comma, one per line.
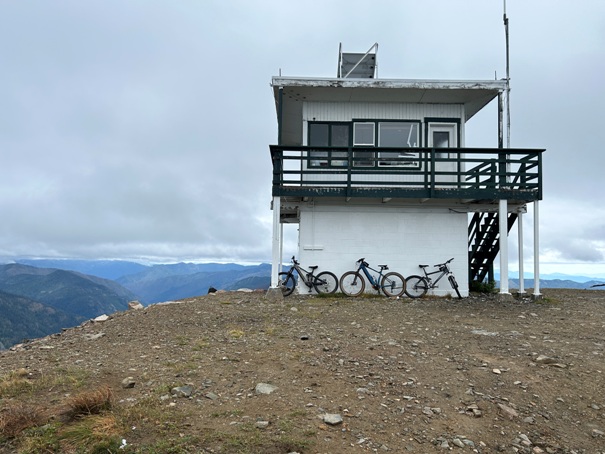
(384,267)
(314,267)
(422,266)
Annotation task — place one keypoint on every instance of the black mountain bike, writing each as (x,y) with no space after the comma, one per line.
(417,286)
(324,282)
(352,283)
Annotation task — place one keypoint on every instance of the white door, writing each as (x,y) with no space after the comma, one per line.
(444,135)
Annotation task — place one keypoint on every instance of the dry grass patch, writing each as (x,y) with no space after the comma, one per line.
(17,417)
(236,333)
(89,402)
(15,383)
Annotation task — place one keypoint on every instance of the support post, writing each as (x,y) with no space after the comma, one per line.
(520,240)
(503,226)
(276,243)
(536,249)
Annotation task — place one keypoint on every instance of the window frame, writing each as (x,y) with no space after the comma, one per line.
(414,158)
(326,159)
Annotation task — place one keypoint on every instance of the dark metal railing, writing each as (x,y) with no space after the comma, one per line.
(467,173)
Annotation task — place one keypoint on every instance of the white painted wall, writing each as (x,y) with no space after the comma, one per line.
(348,111)
(336,236)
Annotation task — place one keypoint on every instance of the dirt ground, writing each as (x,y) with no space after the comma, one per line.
(480,374)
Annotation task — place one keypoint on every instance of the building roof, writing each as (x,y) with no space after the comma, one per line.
(473,94)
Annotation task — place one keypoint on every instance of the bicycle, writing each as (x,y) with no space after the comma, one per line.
(417,286)
(324,282)
(352,283)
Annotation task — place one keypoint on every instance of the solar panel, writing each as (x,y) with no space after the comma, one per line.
(357,65)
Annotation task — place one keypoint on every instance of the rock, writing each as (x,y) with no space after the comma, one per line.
(264,388)
(261,424)
(483,332)
(508,411)
(244,290)
(211,290)
(135,305)
(332,418)
(597,433)
(92,337)
(211,396)
(182,391)
(101,318)
(458,442)
(547,360)
(427,411)
(496,371)
(128,382)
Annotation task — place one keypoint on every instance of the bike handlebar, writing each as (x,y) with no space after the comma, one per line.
(445,263)
(294,260)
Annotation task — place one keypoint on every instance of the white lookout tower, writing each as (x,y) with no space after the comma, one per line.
(378,168)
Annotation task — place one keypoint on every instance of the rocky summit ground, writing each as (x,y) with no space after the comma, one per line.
(238,373)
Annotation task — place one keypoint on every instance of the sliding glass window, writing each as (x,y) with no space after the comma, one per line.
(402,136)
(328,135)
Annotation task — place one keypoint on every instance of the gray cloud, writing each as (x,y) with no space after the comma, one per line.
(141,129)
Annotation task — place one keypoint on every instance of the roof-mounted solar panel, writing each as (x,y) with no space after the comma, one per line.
(357,65)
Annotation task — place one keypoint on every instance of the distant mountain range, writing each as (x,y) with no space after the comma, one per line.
(183,280)
(23,318)
(555,277)
(39,297)
(559,283)
(35,302)
(106,269)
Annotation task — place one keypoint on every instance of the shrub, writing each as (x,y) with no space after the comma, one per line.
(483,287)
(90,402)
(17,417)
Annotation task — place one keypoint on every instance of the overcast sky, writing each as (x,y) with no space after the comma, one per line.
(140,129)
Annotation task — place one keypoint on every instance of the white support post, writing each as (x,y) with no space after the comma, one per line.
(536,249)
(520,240)
(503,225)
(277,243)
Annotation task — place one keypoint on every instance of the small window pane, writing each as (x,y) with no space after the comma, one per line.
(318,135)
(363,134)
(340,136)
(363,159)
(441,139)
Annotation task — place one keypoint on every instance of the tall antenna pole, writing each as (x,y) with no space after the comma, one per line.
(505,18)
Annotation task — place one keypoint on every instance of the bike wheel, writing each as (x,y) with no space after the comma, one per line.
(325,282)
(352,284)
(454,285)
(416,286)
(393,284)
(287,283)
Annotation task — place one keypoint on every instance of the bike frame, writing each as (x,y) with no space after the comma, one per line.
(444,269)
(431,282)
(374,282)
(304,275)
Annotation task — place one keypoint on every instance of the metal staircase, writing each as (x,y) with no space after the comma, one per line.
(483,244)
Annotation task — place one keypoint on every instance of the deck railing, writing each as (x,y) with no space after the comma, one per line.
(466,173)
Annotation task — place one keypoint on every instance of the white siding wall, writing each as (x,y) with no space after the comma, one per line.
(335,237)
(347,111)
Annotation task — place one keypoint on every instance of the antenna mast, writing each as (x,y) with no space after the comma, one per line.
(505,18)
